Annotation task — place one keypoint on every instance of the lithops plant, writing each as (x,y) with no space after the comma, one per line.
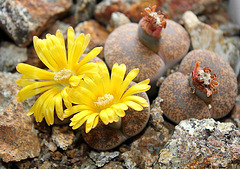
(205,86)
(113,108)
(153,45)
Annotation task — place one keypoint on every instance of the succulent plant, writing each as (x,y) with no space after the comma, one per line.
(112,107)
(153,45)
(205,86)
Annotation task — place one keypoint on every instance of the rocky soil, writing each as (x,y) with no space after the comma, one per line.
(193,143)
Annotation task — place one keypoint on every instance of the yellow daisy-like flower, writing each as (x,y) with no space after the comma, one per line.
(65,70)
(105,97)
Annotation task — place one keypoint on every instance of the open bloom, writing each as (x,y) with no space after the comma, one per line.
(105,97)
(65,70)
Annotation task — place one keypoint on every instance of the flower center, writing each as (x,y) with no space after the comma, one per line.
(63,76)
(205,76)
(104,101)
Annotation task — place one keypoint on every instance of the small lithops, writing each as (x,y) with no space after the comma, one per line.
(112,107)
(153,45)
(205,86)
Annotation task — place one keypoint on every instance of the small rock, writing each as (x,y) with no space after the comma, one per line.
(8,89)
(204,36)
(200,144)
(233,9)
(149,144)
(104,9)
(175,9)
(19,139)
(62,136)
(23,19)
(117,19)
(46,165)
(156,112)
(98,34)
(51,146)
(113,165)
(10,56)
(103,158)
(88,164)
(84,10)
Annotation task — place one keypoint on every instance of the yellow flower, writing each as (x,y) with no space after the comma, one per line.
(65,70)
(105,97)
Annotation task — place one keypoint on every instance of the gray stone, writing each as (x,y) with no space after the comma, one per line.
(234,12)
(204,36)
(23,19)
(200,144)
(84,10)
(117,19)
(11,55)
(103,158)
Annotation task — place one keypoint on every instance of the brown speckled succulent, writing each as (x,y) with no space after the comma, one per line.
(153,45)
(105,137)
(195,91)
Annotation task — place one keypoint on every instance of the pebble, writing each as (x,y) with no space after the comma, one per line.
(204,36)
(11,55)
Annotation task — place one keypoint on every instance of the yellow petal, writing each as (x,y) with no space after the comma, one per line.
(117,75)
(59,106)
(137,88)
(74,109)
(70,40)
(66,98)
(134,105)
(75,52)
(130,76)
(59,35)
(31,72)
(80,116)
(93,53)
(104,117)
(95,122)
(136,99)
(120,112)
(79,123)
(35,88)
(90,121)
(44,55)
(23,82)
(88,69)
(57,51)
(74,81)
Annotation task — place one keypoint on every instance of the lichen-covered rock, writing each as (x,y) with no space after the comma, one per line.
(11,55)
(103,158)
(204,36)
(62,136)
(144,151)
(201,144)
(21,19)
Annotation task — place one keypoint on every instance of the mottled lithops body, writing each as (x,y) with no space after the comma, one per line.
(179,98)
(105,137)
(153,45)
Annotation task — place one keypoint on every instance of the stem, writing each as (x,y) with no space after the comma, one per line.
(116,125)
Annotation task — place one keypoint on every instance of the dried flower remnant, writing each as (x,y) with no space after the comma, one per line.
(66,71)
(203,83)
(153,22)
(105,97)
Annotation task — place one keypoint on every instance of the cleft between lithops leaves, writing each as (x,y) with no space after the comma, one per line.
(203,83)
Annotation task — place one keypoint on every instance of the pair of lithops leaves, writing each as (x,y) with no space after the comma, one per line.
(183,99)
